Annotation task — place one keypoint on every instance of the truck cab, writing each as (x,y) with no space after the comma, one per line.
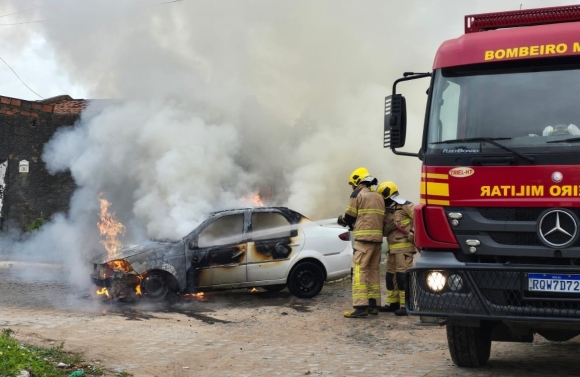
(498,219)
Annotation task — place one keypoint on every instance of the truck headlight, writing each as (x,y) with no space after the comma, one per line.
(436,281)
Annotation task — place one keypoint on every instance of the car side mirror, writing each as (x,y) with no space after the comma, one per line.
(395,126)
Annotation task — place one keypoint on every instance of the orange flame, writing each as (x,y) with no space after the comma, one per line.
(110,228)
(253,199)
(103,291)
(253,290)
(120,265)
(194,296)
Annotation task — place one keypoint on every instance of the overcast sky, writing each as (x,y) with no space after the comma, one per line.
(34,59)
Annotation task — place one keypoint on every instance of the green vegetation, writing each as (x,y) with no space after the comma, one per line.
(42,361)
(36,224)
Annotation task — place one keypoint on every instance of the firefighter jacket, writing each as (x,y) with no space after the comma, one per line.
(368,207)
(398,227)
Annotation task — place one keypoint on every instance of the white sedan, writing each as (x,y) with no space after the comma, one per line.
(269,247)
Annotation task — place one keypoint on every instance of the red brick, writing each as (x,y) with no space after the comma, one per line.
(5,100)
(47,108)
(25,113)
(15,102)
(36,106)
(11,112)
(34,115)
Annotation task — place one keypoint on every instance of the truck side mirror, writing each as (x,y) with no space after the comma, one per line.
(395,121)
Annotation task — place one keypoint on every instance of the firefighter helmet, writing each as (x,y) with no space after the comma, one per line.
(387,189)
(357,176)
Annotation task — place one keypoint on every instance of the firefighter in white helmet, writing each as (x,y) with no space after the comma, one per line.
(398,228)
(364,214)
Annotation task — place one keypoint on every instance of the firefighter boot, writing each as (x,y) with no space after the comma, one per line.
(401,312)
(356,313)
(389,308)
(373,309)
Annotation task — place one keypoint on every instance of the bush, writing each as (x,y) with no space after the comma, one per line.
(36,224)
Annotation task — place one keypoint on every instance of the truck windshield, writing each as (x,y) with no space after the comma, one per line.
(527,109)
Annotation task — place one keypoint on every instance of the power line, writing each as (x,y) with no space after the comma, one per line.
(22,23)
(21,11)
(16,74)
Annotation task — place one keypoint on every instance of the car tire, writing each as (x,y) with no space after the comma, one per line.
(274,288)
(155,286)
(469,347)
(305,280)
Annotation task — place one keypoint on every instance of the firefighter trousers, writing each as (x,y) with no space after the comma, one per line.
(397,265)
(366,281)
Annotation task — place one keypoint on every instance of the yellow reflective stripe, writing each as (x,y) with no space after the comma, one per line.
(406,222)
(423,201)
(351,209)
(439,202)
(376,296)
(438,189)
(371,210)
(402,297)
(362,232)
(401,245)
(437,176)
(356,274)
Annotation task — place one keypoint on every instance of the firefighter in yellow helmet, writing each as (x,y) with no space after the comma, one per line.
(364,214)
(398,228)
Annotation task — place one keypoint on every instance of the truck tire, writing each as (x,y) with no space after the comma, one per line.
(469,347)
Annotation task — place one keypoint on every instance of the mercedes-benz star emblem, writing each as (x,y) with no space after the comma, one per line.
(558,228)
(557,176)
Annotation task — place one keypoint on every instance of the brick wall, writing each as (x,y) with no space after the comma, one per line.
(25,127)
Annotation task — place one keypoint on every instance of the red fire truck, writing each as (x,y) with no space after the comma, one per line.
(498,223)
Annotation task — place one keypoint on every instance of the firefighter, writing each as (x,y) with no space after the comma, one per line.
(364,214)
(398,228)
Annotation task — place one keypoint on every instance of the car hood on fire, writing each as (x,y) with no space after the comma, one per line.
(134,249)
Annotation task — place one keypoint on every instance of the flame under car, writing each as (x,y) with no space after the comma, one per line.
(269,247)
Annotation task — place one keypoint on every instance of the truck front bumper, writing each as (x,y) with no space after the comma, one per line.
(441,286)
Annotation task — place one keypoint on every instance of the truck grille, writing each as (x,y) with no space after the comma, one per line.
(516,214)
(489,293)
(516,238)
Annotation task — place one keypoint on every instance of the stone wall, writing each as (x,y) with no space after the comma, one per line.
(25,127)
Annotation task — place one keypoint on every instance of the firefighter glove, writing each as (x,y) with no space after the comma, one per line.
(340,221)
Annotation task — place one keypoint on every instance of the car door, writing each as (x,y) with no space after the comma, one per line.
(220,255)
(273,242)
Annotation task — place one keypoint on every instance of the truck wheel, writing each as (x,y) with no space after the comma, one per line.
(469,346)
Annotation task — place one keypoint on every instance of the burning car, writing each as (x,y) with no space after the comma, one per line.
(269,247)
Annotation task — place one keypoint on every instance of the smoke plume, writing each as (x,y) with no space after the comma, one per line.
(204,102)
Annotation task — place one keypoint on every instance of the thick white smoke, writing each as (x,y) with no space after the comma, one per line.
(217,99)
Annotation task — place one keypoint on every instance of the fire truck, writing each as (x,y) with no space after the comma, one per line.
(498,218)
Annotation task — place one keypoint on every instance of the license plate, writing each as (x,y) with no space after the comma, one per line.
(554,283)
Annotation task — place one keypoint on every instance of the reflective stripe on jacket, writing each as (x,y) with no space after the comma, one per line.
(368,207)
(401,216)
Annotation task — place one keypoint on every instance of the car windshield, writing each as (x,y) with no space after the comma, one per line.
(525,109)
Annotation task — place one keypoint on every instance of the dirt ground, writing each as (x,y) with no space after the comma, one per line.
(240,333)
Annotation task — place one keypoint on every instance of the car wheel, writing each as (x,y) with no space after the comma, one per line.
(154,286)
(469,346)
(274,288)
(306,280)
